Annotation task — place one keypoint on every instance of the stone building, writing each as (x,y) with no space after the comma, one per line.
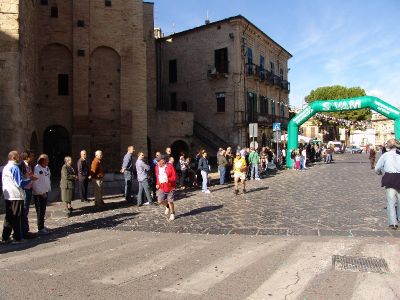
(228,74)
(383,127)
(76,75)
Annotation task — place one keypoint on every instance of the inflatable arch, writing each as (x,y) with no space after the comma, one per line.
(307,112)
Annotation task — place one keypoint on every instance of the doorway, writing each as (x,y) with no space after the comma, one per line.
(56,144)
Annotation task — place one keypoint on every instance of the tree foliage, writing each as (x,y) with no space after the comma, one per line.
(340,92)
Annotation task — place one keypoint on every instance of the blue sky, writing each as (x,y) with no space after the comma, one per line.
(345,42)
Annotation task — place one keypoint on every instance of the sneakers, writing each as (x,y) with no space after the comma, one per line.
(394,227)
(172,217)
(257,178)
(207,192)
(43,231)
(146,204)
(166,211)
(236,192)
(244,191)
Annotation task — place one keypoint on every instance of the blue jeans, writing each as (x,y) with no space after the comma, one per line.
(254,169)
(205,179)
(392,197)
(27,203)
(128,185)
(222,171)
(144,185)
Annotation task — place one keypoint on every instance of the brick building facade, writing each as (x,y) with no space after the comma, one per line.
(74,75)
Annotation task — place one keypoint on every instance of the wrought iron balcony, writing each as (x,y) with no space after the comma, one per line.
(285,85)
(221,71)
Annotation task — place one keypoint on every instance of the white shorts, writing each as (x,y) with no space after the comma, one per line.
(241,176)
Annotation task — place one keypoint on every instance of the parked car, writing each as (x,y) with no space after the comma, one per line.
(337,146)
(355,149)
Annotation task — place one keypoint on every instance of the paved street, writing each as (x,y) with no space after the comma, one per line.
(340,199)
(113,264)
(275,242)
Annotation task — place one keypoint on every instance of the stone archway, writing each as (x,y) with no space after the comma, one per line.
(307,112)
(56,144)
(179,147)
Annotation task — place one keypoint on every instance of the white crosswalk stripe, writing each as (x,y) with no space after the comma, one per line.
(151,265)
(94,258)
(378,286)
(299,269)
(52,250)
(207,277)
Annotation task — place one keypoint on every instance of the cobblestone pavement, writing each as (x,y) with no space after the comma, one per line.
(340,199)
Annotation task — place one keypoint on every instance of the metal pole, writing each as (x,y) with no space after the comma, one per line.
(277,148)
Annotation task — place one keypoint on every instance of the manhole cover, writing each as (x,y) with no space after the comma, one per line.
(360,264)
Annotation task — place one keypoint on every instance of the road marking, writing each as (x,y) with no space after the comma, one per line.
(379,286)
(151,265)
(201,281)
(299,269)
(95,258)
(54,249)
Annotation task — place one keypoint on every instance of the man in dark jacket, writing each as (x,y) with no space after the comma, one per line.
(83,174)
(204,168)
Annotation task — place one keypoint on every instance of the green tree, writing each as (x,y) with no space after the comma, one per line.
(340,92)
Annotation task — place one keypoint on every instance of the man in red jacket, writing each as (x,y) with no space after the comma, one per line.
(165,184)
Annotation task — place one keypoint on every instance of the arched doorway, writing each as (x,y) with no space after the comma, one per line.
(34,144)
(311,109)
(56,144)
(179,147)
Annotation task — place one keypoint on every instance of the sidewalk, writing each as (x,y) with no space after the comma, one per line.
(113,188)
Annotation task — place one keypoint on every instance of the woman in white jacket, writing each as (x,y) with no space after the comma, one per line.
(41,189)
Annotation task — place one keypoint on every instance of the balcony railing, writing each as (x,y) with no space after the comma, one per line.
(285,85)
(221,72)
(266,76)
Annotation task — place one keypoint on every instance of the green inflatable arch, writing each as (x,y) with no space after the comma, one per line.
(307,112)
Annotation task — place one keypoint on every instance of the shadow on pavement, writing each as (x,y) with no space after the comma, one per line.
(200,210)
(88,209)
(257,189)
(60,232)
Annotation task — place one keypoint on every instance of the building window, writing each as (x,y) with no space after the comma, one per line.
(249,57)
(81,23)
(184,106)
(54,12)
(273,107)
(63,85)
(252,107)
(263,105)
(44,2)
(220,102)
(262,64)
(221,60)
(173,71)
(107,3)
(281,74)
(272,68)
(173,102)
(282,109)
